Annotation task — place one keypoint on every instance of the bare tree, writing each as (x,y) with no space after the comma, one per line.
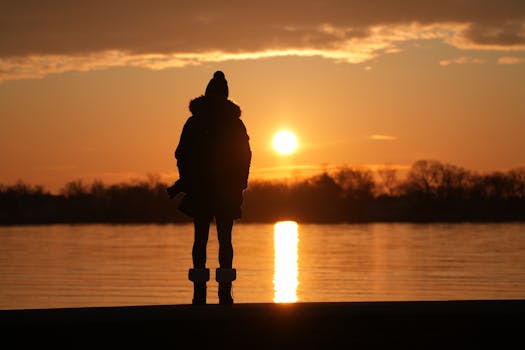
(356,183)
(430,177)
(388,176)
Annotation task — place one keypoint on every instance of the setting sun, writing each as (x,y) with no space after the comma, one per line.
(285,142)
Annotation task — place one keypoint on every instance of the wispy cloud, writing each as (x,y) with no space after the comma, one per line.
(56,167)
(510,60)
(44,37)
(128,177)
(283,171)
(356,50)
(379,137)
(461,60)
(377,167)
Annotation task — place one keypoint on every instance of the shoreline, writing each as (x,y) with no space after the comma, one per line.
(424,324)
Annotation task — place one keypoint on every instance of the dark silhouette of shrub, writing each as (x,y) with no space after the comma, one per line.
(431,191)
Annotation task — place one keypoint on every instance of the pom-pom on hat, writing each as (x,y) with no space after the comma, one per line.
(218,86)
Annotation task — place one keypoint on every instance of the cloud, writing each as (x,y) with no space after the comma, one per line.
(461,60)
(505,35)
(510,60)
(378,137)
(42,37)
(294,171)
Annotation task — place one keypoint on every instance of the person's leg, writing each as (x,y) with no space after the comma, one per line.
(224,232)
(200,241)
(199,275)
(225,275)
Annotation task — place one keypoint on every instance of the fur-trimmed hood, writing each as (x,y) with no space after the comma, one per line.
(206,106)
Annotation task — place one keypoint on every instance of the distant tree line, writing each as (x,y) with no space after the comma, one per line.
(430,191)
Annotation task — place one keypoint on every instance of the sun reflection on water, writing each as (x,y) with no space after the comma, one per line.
(285,280)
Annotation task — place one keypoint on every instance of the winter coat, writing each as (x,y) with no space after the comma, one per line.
(213,158)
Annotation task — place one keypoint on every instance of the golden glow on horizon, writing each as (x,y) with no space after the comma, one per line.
(286,238)
(332,109)
(285,142)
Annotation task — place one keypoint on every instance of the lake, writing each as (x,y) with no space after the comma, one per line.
(109,265)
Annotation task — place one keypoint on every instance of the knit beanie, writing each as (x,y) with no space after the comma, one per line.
(218,86)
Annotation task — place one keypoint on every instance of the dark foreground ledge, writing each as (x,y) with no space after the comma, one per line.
(425,324)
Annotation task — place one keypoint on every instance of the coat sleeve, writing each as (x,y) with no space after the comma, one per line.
(246,156)
(183,153)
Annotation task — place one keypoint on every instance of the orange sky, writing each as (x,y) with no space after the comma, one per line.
(100,90)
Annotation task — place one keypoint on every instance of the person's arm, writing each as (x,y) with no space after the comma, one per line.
(183,153)
(245,156)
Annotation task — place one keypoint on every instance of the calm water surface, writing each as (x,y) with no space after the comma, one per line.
(107,265)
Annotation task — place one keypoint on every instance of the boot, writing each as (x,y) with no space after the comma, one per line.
(199,277)
(225,277)
(199,293)
(225,296)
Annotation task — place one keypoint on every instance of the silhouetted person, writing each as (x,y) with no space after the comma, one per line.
(213,158)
